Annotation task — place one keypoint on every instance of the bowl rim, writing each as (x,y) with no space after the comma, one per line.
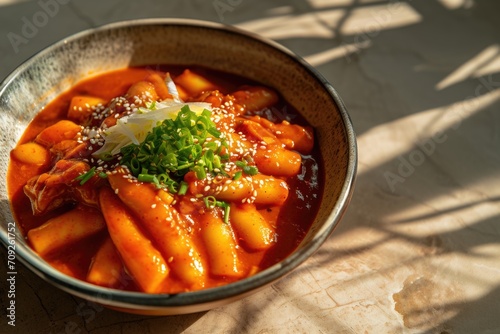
(144,301)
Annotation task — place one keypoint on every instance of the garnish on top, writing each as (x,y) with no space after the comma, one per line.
(161,141)
(190,142)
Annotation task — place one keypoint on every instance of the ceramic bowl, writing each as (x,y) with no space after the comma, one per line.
(184,42)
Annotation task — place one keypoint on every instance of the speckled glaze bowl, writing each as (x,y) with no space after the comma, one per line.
(168,41)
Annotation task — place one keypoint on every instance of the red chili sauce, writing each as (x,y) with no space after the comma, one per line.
(288,221)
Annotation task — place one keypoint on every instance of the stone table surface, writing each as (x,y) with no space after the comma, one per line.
(419,248)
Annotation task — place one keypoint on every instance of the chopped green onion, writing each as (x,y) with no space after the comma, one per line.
(214,132)
(200,172)
(183,188)
(163,178)
(237,175)
(86,176)
(190,142)
(216,162)
(147,178)
(103,175)
(249,170)
(226,208)
(134,165)
(211,202)
(240,164)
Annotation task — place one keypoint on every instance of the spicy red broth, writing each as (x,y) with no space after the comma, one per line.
(165,180)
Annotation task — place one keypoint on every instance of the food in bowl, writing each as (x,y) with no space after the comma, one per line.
(165,181)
